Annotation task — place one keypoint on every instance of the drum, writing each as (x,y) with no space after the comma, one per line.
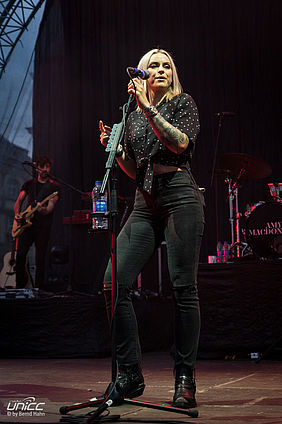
(264,230)
(251,206)
(276,191)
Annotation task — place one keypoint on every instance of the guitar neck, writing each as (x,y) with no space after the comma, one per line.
(32,211)
(40,204)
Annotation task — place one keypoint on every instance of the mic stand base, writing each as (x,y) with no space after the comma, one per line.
(104,402)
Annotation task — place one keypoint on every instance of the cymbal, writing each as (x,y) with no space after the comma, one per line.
(248,166)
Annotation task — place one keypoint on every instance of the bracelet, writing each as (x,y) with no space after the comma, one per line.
(119,151)
(150,111)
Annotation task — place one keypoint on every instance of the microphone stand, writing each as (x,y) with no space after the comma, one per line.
(220,115)
(112,397)
(212,175)
(53,177)
(216,147)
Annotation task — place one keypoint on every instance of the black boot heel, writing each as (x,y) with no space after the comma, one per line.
(130,381)
(137,392)
(185,390)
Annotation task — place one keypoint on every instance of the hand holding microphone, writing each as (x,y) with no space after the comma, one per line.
(137,87)
(135,72)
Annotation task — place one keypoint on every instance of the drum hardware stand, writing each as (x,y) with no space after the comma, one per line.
(240,167)
(220,116)
(112,397)
(233,195)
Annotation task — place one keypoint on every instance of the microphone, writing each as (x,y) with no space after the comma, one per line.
(26,162)
(135,72)
(225,114)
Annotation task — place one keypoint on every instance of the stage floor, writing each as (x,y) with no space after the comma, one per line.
(236,392)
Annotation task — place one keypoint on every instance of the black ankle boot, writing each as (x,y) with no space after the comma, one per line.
(185,389)
(130,381)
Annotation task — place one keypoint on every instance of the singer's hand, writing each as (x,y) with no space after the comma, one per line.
(139,93)
(105,133)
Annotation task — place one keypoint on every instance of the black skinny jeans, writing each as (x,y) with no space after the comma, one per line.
(174,212)
(40,237)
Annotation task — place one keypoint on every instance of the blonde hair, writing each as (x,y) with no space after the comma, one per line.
(175,87)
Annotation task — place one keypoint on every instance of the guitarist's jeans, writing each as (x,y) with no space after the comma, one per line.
(40,237)
(174,212)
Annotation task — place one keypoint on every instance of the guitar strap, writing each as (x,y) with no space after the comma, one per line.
(44,191)
(34,200)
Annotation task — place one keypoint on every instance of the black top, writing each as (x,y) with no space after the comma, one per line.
(36,192)
(142,144)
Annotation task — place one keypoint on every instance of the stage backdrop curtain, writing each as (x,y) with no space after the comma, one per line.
(227,55)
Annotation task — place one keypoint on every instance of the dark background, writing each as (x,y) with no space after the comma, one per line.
(228,58)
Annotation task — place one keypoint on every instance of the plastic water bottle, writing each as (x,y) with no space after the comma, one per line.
(225,251)
(220,252)
(99,203)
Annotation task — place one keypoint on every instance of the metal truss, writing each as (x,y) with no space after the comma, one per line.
(15,16)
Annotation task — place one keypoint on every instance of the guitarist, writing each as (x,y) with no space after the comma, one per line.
(35,190)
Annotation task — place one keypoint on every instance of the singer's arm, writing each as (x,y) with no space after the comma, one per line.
(128,165)
(174,139)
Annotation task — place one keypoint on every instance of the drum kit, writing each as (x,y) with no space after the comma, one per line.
(263,228)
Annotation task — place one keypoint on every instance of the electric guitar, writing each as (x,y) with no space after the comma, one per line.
(27,215)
